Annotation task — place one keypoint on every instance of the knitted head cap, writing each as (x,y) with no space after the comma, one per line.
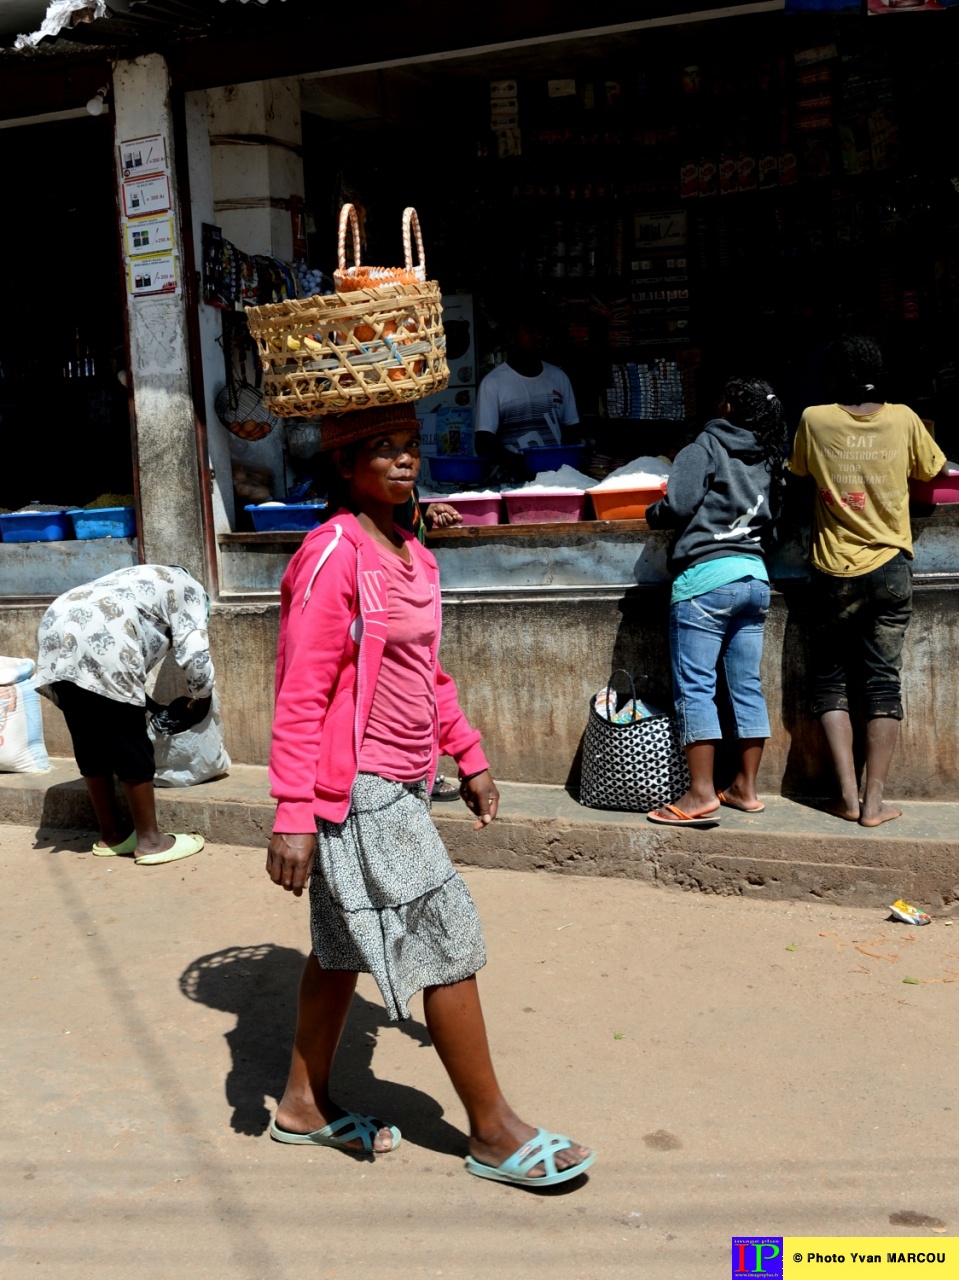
(343,429)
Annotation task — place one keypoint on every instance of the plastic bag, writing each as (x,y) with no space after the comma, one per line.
(195,755)
(22,748)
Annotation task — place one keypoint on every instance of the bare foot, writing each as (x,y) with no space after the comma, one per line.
(497,1148)
(308,1119)
(841,810)
(886,813)
(733,798)
(694,806)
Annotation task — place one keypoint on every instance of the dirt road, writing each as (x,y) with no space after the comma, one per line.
(740,1066)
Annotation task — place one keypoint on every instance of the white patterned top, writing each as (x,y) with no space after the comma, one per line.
(107,635)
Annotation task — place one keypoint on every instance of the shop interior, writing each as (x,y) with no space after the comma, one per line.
(63,411)
(692,202)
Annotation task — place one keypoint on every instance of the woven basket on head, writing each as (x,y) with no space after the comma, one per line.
(379,344)
(359,276)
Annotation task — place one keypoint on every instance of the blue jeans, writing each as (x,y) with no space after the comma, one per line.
(727,625)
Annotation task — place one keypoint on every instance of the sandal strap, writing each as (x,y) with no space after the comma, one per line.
(350,1126)
(539,1150)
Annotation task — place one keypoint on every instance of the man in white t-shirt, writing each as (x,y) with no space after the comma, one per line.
(521,396)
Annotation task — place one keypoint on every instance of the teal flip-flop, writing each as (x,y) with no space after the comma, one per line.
(111,850)
(348,1128)
(539,1150)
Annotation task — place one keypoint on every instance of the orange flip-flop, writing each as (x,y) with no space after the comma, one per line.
(683,819)
(742,809)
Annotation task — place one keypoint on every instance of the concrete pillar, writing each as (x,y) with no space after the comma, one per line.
(167,462)
(255,136)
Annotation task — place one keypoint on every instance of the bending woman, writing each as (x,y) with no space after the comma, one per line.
(723,497)
(362,711)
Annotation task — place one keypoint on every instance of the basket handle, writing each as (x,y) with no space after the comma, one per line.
(411,224)
(621,671)
(349,218)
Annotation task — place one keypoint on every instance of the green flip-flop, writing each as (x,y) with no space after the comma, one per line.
(111,850)
(539,1150)
(348,1128)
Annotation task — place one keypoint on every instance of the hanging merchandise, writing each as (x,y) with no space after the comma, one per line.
(377,340)
(239,405)
(649,392)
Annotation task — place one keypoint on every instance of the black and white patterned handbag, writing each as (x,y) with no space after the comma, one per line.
(636,766)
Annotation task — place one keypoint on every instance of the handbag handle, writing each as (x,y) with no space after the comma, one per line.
(621,671)
(349,218)
(411,223)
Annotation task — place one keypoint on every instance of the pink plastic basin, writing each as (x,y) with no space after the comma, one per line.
(476,510)
(528,507)
(941,489)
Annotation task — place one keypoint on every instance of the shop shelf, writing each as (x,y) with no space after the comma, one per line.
(550,457)
(525,506)
(36,526)
(105,522)
(300,515)
(624,504)
(446,469)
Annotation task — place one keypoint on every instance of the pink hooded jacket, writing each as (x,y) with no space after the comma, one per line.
(333,619)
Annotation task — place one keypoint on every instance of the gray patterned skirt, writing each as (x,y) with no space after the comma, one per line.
(385,898)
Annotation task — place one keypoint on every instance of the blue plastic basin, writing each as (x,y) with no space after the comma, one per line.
(36,526)
(550,457)
(105,522)
(300,515)
(461,470)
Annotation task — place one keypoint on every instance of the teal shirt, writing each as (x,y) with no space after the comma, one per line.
(710,574)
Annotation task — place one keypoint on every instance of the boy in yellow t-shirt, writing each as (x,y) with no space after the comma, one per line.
(861,454)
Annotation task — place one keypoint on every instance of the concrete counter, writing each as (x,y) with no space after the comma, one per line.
(530,633)
(592,555)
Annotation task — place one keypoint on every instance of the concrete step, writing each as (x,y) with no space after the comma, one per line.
(790,851)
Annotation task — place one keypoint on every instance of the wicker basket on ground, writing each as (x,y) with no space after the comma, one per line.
(378,345)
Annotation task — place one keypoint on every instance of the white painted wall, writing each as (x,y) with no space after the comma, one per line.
(210,318)
(254,132)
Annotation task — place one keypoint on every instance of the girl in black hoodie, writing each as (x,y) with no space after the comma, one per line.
(723,498)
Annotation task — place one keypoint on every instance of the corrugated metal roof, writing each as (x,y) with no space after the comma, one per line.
(121,25)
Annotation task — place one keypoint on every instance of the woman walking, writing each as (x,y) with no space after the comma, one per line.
(362,711)
(723,497)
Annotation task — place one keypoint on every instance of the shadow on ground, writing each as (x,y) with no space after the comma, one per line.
(258,984)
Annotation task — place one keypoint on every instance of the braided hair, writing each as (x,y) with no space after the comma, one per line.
(754,405)
(853,365)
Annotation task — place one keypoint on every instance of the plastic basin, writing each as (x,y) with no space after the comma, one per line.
(460,470)
(36,526)
(940,489)
(105,522)
(300,515)
(550,457)
(475,510)
(624,504)
(526,507)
